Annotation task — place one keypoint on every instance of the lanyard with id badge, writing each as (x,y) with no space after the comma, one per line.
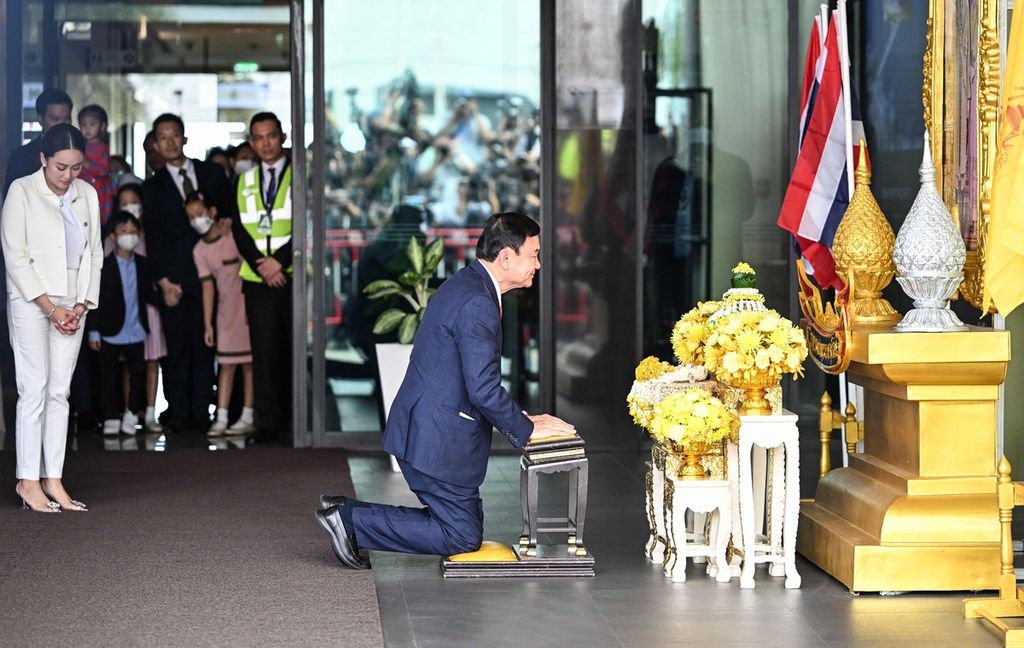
(264,226)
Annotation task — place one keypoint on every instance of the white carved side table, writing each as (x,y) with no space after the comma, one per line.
(712,497)
(779,434)
(655,548)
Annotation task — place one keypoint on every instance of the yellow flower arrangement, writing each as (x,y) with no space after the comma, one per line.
(693,418)
(743,268)
(642,411)
(691,331)
(746,344)
(651,367)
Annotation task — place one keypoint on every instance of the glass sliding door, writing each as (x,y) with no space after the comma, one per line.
(429,125)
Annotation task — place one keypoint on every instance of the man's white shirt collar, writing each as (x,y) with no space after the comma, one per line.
(497,289)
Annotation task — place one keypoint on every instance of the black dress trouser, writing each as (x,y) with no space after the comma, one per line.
(111,385)
(269,311)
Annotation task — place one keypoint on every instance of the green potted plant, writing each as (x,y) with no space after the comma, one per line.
(412,287)
(412,290)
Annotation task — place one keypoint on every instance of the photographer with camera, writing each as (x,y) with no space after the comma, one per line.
(470,128)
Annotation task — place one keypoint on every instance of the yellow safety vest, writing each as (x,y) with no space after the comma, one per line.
(251,209)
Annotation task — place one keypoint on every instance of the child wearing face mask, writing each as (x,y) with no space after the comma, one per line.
(92,120)
(218,262)
(129,199)
(119,327)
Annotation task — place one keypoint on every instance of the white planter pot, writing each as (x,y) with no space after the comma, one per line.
(392,362)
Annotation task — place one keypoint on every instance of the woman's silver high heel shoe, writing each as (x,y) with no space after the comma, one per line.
(75,504)
(51,507)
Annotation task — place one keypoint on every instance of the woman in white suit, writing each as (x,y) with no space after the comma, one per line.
(50,231)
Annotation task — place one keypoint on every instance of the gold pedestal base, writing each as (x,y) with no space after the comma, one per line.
(916,510)
(863,564)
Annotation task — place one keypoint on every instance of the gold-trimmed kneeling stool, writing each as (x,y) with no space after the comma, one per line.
(529,558)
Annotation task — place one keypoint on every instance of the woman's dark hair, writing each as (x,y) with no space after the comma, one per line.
(62,137)
(121,217)
(94,110)
(133,187)
(505,230)
(238,149)
(216,150)
(200,197)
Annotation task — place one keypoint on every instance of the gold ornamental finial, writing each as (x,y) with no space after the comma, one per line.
(863,174)
(863,246)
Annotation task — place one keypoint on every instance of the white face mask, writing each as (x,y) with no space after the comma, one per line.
(135,209)
(127,242)
(243,165)
(202,224)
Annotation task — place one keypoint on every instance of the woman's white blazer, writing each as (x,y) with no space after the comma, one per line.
(32,234)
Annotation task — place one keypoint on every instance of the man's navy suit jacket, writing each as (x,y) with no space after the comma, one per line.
(455,367)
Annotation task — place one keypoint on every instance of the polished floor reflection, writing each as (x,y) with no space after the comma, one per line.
(629,602)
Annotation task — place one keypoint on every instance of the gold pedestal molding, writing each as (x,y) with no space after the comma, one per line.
(917,509)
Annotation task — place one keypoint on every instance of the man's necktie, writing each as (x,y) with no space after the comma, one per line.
(271,189)
(186,183)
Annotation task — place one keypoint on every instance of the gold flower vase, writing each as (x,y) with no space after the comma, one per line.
(755,392)
(691,454)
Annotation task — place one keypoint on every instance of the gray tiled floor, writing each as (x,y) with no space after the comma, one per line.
(629,602)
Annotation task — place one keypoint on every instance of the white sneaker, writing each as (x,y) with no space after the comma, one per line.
(111,427)
(240,427)
(128,423)
(217,428)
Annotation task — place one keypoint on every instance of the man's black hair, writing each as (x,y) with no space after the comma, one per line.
(266,116)
(169,117)
(62,137)
(51,96)
(505,230)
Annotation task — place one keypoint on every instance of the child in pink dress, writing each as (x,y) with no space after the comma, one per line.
(218,261)
(93,122)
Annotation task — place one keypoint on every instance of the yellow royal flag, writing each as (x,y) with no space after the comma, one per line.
(1004,264)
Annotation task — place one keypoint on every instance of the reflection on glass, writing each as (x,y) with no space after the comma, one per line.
(431,127)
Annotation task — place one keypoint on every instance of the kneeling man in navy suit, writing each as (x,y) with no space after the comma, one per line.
(439,427)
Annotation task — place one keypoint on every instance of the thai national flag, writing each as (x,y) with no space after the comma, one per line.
(819,190)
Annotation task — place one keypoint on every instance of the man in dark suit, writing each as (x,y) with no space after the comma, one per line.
(188,370)
(439,427)
(53,107)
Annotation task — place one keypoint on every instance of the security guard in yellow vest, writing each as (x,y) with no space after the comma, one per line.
(263,232)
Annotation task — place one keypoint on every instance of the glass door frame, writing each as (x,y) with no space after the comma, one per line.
(309,362)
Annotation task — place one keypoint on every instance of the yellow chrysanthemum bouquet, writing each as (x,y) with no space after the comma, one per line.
(691,331)
(752,350)
(690,422)
(654,379)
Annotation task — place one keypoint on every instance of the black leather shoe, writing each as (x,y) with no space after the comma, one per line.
(341,542)
(327,501)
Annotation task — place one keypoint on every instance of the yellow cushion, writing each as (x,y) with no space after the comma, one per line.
(489,551)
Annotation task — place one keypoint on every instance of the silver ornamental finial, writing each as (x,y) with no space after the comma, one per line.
(929,257)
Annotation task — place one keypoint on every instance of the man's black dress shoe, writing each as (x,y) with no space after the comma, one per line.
(341,540)
(327,501)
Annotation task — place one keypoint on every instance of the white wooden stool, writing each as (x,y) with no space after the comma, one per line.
(779,434)
(709,496)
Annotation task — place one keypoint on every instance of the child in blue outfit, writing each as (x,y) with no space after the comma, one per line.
(117,329)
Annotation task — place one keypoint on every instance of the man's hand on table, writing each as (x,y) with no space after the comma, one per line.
(547,427)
